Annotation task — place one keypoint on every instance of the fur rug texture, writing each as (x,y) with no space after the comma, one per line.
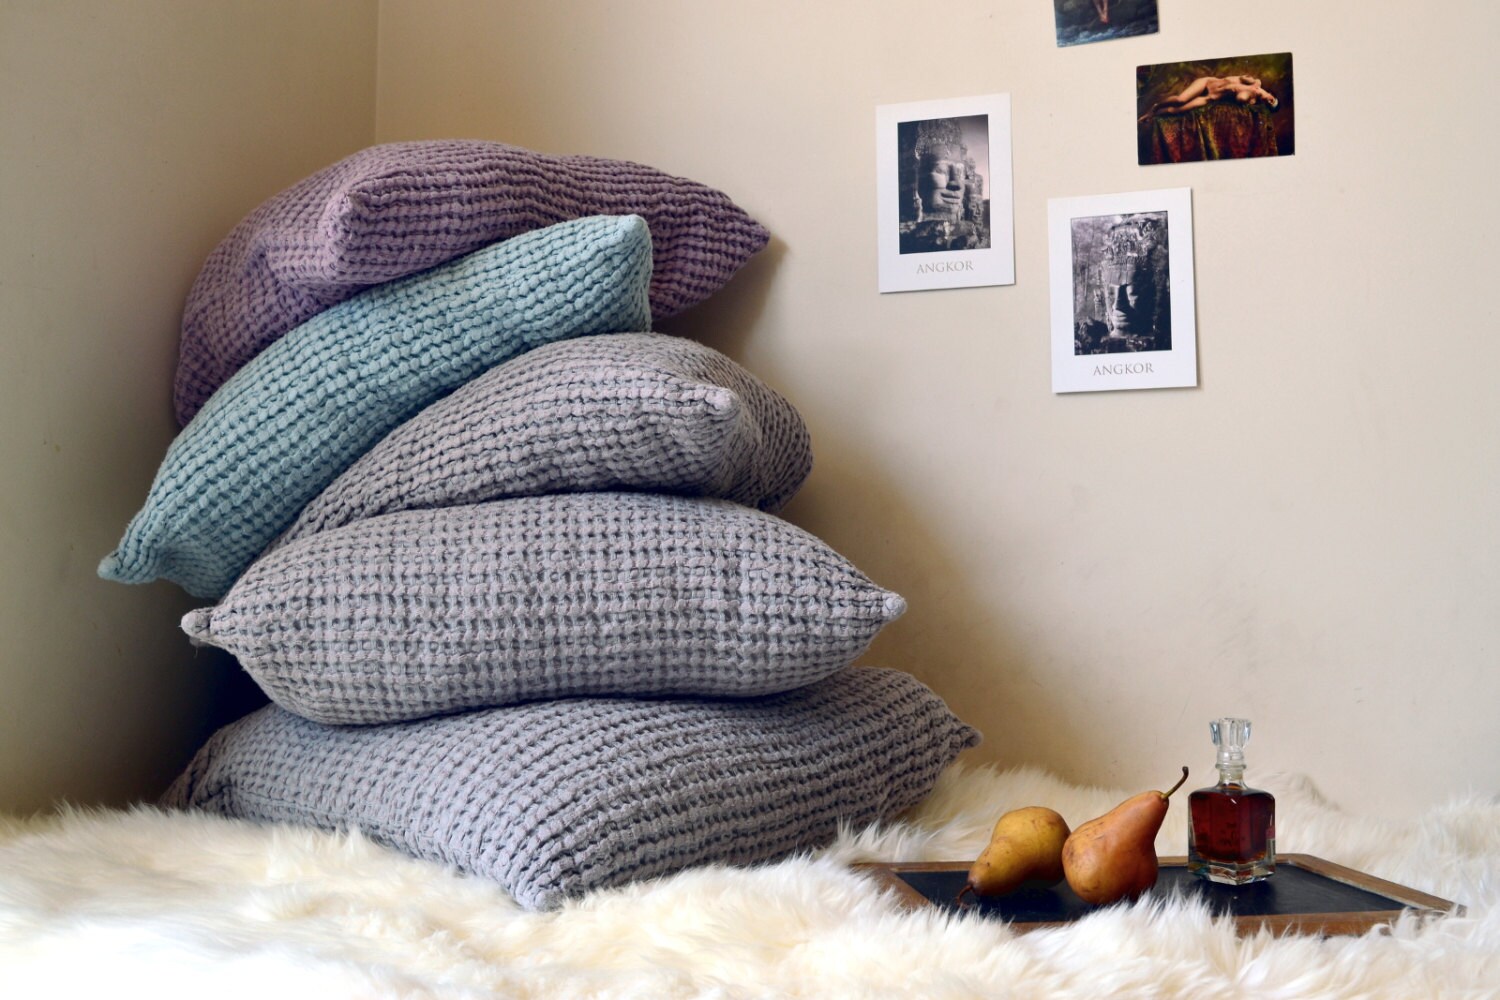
(153,904)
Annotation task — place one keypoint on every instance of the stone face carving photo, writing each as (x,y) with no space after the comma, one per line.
(1121,271)
(1215,109)
(944,185)
(943,197)
(1122,288)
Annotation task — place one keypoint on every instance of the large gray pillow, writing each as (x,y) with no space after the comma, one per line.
(637,411)
(398,208)
(423,612)
(552,799)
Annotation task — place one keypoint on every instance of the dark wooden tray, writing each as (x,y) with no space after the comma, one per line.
(1307,895)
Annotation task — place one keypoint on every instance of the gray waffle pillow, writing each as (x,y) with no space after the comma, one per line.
(638,411)
(424,612)
(553,799)
(398,208)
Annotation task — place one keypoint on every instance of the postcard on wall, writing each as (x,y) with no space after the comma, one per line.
(1215,109)
(943,177)
(1083,21)
(1122,291)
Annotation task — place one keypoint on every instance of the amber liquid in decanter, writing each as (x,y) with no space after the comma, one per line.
(1231,826)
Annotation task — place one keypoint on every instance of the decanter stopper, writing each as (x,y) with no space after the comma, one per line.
(1230,736)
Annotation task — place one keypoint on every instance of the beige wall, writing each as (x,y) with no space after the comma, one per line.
(1311,537)
(132,136)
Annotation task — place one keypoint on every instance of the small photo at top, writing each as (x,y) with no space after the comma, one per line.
(1215,109)
(1083,21)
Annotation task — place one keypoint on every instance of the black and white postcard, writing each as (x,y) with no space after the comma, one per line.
(943,176)
(1122,291)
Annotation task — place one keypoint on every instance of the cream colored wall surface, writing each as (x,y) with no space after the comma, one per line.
(1309,538)
(132,137)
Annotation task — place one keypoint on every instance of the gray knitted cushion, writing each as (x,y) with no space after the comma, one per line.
(552,799)
(639,411)
(395,209)
(423,612)
(305,409)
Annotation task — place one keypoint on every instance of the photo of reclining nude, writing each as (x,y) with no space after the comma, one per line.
(1215,109)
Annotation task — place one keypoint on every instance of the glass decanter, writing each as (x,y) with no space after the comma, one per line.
(1231,826)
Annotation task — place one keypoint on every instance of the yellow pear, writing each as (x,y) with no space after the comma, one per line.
(1025,851)
(1113,857)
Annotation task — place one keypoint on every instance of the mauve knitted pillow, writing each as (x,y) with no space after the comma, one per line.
(553,799)
(391,210)
(423,612)
(286,425)
(636,411)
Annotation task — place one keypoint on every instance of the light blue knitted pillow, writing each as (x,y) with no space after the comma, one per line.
(294,418)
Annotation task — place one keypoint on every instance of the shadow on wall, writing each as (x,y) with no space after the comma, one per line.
(221,692)
(969,653)
(725,319)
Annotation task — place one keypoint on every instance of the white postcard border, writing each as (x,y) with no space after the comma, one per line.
(996,265)
(1175,368)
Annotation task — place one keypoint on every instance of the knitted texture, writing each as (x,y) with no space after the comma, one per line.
(638,411)
(422,612)
(395,209)
(553,799)
(290,422)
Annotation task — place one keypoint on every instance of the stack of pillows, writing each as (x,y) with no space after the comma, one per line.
(506,562)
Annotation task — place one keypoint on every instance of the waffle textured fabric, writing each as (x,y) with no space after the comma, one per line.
(423,612)
(552,799)
(633,411)
(274,436)
(395,209)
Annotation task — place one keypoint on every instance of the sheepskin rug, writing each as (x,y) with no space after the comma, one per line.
(152,904)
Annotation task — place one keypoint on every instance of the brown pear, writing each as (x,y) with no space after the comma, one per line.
(1113,857)
(1025,851)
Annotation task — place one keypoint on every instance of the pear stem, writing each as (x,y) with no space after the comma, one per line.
(1180,780)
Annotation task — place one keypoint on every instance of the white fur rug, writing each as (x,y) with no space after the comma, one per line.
(142,903)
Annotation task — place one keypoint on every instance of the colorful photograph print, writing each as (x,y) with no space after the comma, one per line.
(1215,109)
(1121,269)
(1083,21)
